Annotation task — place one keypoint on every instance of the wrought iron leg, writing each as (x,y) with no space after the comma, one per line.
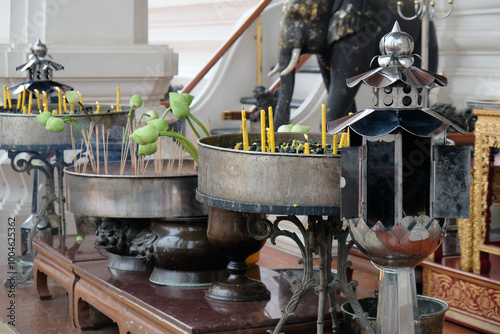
(318,238)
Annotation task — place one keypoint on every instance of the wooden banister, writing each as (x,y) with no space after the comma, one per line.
(222,50)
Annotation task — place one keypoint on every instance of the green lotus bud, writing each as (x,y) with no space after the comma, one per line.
(147,149)
(285,128)
(152,114)
(43,117)
(79,239)
(159,124)
(300,128)
(136,101)
(54,124)
(145,135)
(72,97)
(180,104)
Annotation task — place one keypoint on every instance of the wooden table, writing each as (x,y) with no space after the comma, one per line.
(55,258)
(139,306)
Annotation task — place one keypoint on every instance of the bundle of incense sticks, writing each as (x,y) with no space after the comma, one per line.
(86,156)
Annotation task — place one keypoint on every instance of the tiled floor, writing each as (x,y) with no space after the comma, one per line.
(51,316)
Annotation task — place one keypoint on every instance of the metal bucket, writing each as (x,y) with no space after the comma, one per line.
(23,132)
(133,196)
(265,182)
(432,312)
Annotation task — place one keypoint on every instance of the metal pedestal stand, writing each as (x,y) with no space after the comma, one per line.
(49,161)
(316,239)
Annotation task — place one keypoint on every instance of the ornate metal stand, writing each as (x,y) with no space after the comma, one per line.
(318,239)
(51,164)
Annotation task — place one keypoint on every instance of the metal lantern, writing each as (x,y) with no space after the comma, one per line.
(40,68)
(402,178)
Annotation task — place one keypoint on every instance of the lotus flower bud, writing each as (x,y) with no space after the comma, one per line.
(159,124)
(147,149)
(300,128)
(43,117)
(152,114)
(54,124)
(145,135)
(136,101)
(180,104)
(285,128)
(72,97)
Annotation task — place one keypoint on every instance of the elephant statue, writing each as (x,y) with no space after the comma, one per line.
(344,34)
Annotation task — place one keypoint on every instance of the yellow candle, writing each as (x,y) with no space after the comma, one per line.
(323,126)
(118,98)
(59,98)
(80,95)
(24,95)
(98,109)
(335,143)
(307,149)
(54,112)
(71,108)
(4,97)
(38,98)
(343,139)
(30,101)
(24,110)
(271,130)
(45,101)
(19,99)
(263,130)
(65,104)
(9,100)
(244,130)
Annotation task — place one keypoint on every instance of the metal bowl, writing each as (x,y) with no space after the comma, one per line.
(261,182)
(23,132)
(133,196)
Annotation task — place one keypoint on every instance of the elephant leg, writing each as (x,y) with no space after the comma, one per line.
(282,114)
(348,57)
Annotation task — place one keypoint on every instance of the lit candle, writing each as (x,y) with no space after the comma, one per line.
(24,95)
(335,143)
(80,96)
(244,130)
(307,150)
(263,130)
(65,104)
(59,98)
(9,100)
(38,98)
(45,101)
(118,98)
(271,130)
(30,101)
(19,99)
(4,97)
(323,126)
(98,109)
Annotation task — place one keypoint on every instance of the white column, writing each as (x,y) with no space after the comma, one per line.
(102,44)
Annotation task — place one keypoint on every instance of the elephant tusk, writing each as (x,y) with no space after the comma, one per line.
(274,71)
(293,62)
